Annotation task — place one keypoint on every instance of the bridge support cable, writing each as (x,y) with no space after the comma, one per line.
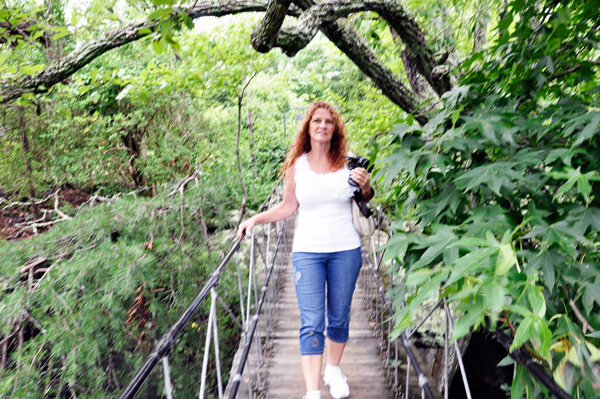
(450,323)
(250,335)
(167,377)
(250,325)
(382,311)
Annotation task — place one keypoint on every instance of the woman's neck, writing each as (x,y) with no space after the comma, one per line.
(318,157)
(319,150)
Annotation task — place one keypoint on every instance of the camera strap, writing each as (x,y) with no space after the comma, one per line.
(364,208)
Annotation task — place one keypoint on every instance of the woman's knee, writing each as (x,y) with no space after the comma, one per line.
(338,334)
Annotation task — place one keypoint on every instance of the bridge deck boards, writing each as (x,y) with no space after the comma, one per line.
(361,362)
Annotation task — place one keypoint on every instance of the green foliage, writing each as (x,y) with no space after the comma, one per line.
(502,186)
(136,118)
(76,329)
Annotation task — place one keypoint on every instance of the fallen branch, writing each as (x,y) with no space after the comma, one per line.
(58,211)
(18,203)
(32,263)
(180,187)
(34,225)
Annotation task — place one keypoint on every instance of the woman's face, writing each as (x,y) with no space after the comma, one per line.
(320,128)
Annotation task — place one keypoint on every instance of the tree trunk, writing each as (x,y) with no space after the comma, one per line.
(252,154)
(480,31)
(133,143)
(25,143)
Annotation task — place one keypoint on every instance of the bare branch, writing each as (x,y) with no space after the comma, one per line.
(585,324)
(58,211)
(569,71)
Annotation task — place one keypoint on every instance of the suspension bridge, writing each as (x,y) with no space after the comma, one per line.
(267,362)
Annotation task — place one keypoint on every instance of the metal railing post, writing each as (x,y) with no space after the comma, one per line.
(167,377)
(211,315)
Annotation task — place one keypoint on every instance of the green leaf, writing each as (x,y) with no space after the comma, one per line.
(588,131)
(455,116)
(165,28)
(536,300)
(94,74)
(463,325)
(396,246)
(161,12)
(83,89)
(31,69)
(552,234)
(60,35)
(506,259)
(470,263)
(435,245)
(519,383)
(106,76)
(158,46)
(471,242)
(592,293)
(418,277)
(575,176)
(541,339)
(523,332)
(507,361)
(493,175)
(494,298)
(144,31)
(547,262)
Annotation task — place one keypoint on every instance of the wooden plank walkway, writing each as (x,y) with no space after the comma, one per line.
(282,373)
(360,363)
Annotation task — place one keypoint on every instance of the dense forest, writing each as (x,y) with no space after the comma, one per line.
(136,134)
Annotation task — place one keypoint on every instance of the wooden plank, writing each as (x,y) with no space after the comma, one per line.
(361,362)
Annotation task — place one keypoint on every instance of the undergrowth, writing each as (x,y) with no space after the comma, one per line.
(108,284)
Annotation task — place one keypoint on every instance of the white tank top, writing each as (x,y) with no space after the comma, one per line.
(325,213)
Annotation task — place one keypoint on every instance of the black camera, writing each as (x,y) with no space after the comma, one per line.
(357,162)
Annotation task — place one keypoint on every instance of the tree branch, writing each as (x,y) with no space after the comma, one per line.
(237,148)
(323,14)
(67,66)
(574,68)
(264,34)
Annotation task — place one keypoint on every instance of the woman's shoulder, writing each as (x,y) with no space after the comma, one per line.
(300,161)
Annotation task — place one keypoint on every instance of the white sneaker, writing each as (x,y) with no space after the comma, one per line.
(338,387)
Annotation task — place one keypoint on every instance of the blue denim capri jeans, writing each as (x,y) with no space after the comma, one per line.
(313,272)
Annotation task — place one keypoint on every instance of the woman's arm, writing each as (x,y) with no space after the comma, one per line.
(281,211)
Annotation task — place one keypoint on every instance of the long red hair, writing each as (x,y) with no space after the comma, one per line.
(301,143)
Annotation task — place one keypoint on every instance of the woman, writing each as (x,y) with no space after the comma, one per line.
(326,245)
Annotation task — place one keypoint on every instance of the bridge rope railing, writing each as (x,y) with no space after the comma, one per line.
(269,246)
(381,310)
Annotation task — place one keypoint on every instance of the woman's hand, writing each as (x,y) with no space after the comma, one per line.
(361,177)
(246,227)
